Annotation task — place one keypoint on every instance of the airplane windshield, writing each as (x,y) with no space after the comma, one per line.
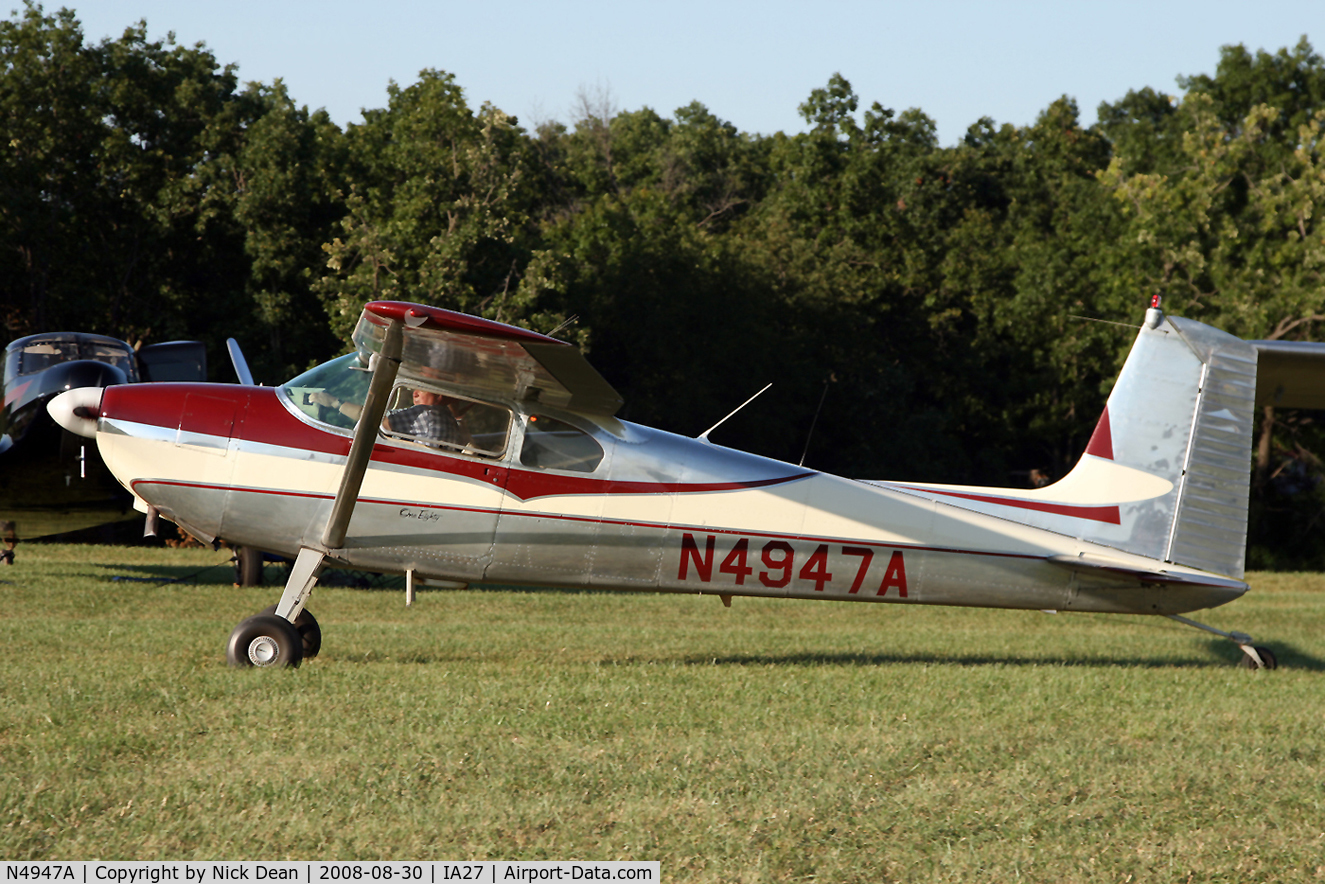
(333,393)
(42,354)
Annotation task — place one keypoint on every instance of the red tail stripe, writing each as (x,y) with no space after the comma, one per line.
(1107,514)
(1101,441)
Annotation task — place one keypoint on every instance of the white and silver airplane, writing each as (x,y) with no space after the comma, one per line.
(522,475)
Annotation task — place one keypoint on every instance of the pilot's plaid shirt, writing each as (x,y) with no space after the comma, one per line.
(431,423)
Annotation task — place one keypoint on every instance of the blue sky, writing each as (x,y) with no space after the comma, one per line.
(751,63)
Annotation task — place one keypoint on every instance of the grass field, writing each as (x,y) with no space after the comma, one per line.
(775,741)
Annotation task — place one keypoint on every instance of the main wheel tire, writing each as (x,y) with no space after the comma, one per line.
(248,566)
(1266,655)
(267,641)
(306,625)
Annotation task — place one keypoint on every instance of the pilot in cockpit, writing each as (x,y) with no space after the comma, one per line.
(433,418)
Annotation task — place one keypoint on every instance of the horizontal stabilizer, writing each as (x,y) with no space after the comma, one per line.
(1127,571)
(1290,374)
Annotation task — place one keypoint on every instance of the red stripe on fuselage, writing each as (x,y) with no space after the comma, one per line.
(559,517)
(261,418)
(1110,515)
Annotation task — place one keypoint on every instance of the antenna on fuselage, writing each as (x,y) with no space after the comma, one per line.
(832,376)
(705,435)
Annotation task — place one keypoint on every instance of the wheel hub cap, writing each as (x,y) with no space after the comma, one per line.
(263,651)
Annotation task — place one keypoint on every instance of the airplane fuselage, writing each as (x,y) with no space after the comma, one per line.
(659,512)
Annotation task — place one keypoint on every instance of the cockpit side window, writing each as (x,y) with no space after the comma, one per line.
(446,422)
(554,444)
(334,393)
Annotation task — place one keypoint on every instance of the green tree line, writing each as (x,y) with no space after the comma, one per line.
(948,313)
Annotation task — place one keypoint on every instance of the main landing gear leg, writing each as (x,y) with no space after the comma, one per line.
(303,577)
(284,635)
(1256,657)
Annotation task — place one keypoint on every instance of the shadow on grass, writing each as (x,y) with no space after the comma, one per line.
(1218,660)
(819,659)
(1223,654)
(221,573)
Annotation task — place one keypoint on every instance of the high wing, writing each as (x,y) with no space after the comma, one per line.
(486,359)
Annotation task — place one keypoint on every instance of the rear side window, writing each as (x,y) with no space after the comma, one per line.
(556,445)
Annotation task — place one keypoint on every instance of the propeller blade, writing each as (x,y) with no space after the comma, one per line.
(240,363)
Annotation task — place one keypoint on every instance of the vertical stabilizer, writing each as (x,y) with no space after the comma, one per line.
(1181,412)
(1166,474)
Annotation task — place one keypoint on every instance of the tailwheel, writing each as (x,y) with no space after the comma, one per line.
(1253,656)
(1267,659)
(306,625)
(267,641)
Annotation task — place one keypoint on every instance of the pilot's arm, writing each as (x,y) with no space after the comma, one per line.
(325,399)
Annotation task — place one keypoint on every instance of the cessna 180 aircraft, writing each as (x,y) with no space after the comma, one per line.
(509,467)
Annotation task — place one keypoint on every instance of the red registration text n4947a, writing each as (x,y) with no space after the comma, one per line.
(774,564)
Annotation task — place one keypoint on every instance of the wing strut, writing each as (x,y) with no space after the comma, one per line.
(308,564)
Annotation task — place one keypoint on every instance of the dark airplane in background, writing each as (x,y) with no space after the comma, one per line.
(53,483)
